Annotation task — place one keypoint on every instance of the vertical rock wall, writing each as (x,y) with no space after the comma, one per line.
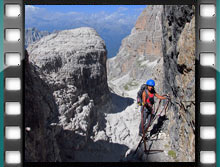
(40,112)
(178,77)
(140,51)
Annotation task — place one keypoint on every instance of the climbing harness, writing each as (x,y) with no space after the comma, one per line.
(149,124)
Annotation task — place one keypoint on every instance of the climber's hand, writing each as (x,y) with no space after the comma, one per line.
(168,96)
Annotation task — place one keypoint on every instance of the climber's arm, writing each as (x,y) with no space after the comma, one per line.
(144,96)
(160,97)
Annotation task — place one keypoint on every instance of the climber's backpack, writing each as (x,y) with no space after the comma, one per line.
(140,92)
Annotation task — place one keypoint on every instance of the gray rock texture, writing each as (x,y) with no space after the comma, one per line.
(140,51)
(33,35)
(73,66)
(176,76)
(41,112)
(73,61)
(179,77)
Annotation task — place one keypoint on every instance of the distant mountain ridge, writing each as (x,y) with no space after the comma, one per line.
(111,39)
(32,35)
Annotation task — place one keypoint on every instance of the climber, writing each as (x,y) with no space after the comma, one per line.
(145,99)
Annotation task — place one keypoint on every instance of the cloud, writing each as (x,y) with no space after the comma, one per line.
(72,13)
(31,8)
(43,19)
(122,9)
(112,26)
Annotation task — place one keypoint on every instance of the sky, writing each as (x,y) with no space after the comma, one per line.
(112,22)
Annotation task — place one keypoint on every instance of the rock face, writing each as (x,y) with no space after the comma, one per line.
(176,75)
(40,112)
(73,66)
(33,35)
(140,51)
(76,58)
(179,77)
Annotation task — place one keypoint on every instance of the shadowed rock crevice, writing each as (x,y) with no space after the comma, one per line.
(120,103)
(40,112)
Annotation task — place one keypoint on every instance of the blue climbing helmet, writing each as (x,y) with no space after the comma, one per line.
(150,82)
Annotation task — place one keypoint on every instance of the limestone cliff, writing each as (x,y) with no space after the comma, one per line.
(140,51)
(72,66)
(40,112)
(179,77)
(73,61)
(175,75)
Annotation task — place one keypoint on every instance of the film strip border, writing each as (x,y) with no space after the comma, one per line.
(13,72)
(1,88)
(206,74)
(13,47)
(218,82)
